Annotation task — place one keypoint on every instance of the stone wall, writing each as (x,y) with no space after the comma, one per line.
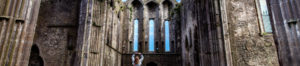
(243,41)
(56,32)
(100,33)
(249,47)
(144,10)
(201,34)
(17,26)
(286,22)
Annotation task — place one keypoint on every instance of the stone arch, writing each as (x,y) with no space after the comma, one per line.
(137,14)
(167,6)
(35,58)
(137,3)
(151,64)
(152,5)
(153,14)
(138,9)
(167,3)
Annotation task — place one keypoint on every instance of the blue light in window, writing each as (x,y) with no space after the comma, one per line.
(265,16)
(124,0)
(136,35)
(167,36)
(151,35)
(178,0)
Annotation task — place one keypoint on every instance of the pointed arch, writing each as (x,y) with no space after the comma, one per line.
(152,5)
(35,58)
(167,3)
(137,4)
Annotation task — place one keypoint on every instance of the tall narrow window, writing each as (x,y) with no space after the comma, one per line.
(167,36)
(265,16)
(136,35)
(151,35)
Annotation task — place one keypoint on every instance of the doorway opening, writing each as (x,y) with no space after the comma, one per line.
(151,64)
(35,58)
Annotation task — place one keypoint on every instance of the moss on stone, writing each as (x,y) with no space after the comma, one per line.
(175,10)
(122,8)
(130,10)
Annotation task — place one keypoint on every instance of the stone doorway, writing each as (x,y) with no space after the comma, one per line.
(35,58)
(151,64)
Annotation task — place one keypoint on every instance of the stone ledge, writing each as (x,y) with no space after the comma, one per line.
(21,20)
(4,17)
(293,21)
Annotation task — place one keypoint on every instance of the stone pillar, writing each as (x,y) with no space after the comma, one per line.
(285,21)
(201,32)
(84,31)
(17,28)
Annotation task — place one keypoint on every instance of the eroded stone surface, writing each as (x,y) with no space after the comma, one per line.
(248,46)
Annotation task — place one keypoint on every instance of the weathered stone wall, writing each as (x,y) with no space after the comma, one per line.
(107,32)
(2,6)
(160,11)
(248,46)
(201,34)
(17,26)
(57,35)
(100,33)
(56,31)
(285,19)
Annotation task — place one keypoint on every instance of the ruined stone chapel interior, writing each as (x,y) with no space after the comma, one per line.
(166,32)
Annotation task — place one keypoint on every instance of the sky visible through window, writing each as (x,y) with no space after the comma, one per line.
(136,35)
(265,16)
(124,0)
(178,0)
(151,35)
(167,36)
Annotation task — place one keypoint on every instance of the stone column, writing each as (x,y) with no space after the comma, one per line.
(17,31)
(84,31)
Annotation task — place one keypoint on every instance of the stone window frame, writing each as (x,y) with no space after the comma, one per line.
(260,19)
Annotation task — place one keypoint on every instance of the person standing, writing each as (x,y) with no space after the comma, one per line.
(136,61)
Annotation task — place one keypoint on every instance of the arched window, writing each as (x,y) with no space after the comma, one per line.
(151,35)
(136,35)
(167,36)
